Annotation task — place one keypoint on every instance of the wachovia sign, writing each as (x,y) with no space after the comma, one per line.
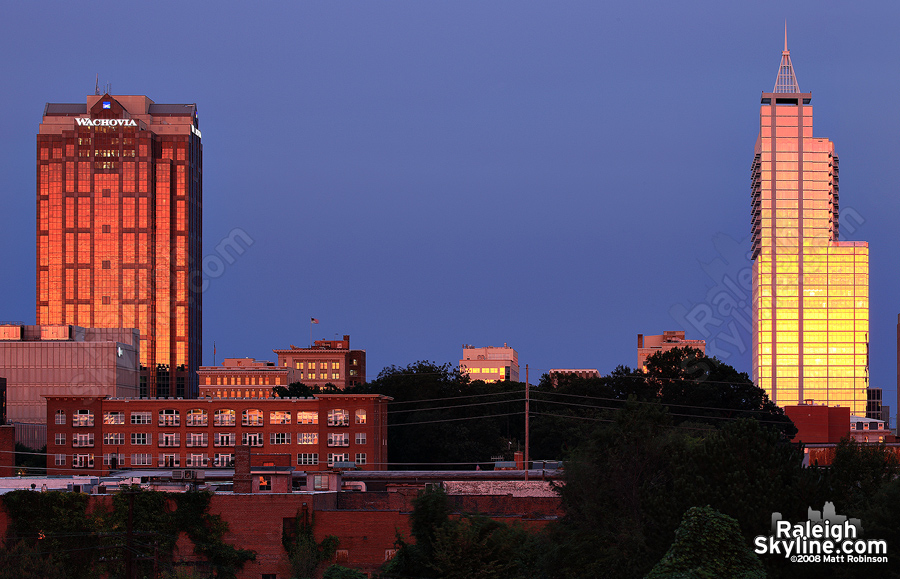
(105,122)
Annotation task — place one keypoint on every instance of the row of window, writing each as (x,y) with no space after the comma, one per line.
(164,460)
(201,439)
(221,417)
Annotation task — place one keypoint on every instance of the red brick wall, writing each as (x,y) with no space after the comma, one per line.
(7,450)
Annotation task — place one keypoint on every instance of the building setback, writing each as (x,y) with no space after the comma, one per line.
(242,378)
(119,205)
(810,290)
(99,434)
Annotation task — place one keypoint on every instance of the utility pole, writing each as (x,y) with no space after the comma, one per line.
(527,411)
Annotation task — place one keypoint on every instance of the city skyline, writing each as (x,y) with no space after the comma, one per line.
(387,162)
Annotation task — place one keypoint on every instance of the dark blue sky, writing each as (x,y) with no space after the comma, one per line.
(560,176)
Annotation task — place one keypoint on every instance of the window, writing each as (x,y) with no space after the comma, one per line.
(223,460)
(307,417)
(252,417)
(59,438)
(360,415)
(360,458)
(196,417)
(85,440)
(113,418)
(360,438)
(224,417)
(224,439)
(195,460)
(169,417)
(333,458)
(114,438)
(82,461)
(305,458)
(335,376)
(196,439)
(320,482)
(169,439)
(83,418)
(141,459)
(279,438)
(59,460)
(252,438)
(170,460)
(279,417)
(265,482)
(60,416)
(338,417)
(140,438)
(307,438)
(389,554)
(113,460)
(338,439)
(105,264)
(140,417)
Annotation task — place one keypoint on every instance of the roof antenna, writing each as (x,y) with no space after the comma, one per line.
(97,85)
(785,35)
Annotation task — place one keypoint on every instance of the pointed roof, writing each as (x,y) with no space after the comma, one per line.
(786,81)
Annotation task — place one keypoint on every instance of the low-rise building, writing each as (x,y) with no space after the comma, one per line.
(326,362)
(581,374)
(649,345)
(242,378)
(99,434)
(490,363)
(60,360)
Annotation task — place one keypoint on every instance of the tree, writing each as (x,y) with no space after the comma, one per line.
(304,553)
(708,545)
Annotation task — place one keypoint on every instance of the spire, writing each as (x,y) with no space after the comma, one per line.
(786,81)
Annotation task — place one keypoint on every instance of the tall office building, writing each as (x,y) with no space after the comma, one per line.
(810,291)
(119,204)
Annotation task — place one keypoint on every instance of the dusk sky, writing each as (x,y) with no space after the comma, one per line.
(558,176)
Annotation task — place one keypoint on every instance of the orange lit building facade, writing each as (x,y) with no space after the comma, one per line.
(810,290)
(119,228)
(100,434)
(242,378)
(490,363)
(327,362)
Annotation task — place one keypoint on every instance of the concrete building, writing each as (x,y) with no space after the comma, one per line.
(649,345)
(38,361)
(490,363)
(243,378)
(119,224)
(326,362)
(864,429)
(810,290)
(98,434)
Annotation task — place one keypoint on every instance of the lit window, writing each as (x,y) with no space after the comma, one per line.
(265,483)
(307,438)
(169,417)
(114,438)
(307,417)
(280,417)
(196,417)
(224,417)
(113,418)
(361,416)
(338,417)
(83,418)
(252,417)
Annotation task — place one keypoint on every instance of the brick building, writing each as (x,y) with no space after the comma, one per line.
(99,434)
(242,378)
(327,362)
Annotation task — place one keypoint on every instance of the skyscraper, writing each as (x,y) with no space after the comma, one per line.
(119,204)
(810,291)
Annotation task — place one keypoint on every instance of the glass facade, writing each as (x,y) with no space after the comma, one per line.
(119,229)
(810,290)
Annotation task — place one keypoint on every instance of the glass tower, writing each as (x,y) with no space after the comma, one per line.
(810,291)
(119,228)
